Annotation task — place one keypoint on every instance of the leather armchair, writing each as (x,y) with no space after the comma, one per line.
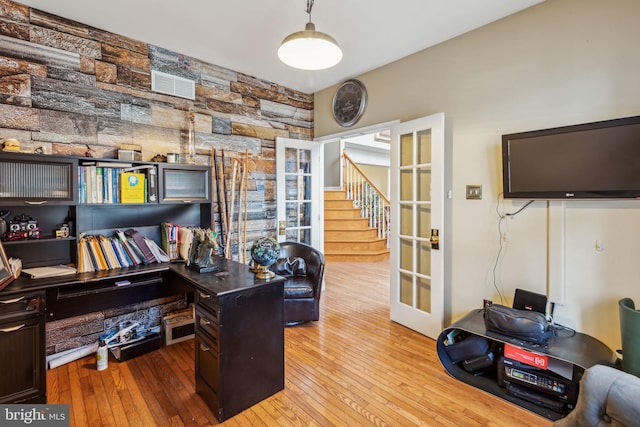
(303,267)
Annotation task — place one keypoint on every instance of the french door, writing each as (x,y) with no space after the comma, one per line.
(299,180)
(417,214)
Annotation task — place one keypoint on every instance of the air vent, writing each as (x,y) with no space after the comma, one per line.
(172,85)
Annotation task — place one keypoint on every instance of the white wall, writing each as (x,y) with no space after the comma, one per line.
(558,63)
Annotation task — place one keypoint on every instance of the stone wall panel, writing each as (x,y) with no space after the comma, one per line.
(10,66)
(65,85)
(14,12)
(66,42)
(57,23)
(19,117)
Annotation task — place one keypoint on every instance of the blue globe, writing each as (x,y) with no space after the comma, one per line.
(265,251)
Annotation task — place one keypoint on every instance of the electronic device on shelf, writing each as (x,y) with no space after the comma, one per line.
(538,382)
(527,300)
(584,161)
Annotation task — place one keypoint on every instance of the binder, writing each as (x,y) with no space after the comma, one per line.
(96,251)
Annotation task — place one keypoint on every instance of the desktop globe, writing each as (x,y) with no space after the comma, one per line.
(265,252)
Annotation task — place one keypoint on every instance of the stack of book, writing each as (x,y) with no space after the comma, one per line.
(123,249)
(116,182)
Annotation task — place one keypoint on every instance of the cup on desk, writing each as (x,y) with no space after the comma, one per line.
(173,157)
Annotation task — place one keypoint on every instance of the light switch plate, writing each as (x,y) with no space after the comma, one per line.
(474,192)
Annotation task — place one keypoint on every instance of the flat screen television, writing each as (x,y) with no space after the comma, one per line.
(587,161)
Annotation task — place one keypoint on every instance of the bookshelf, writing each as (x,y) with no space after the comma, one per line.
(57,190)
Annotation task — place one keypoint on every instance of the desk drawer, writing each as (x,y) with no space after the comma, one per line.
(206,325)
(210,303)
(207,367)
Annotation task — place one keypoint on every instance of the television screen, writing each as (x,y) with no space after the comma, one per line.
(587,161)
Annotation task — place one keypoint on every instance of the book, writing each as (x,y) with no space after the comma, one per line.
(99,185)
(52,271)
(131,253)
(139,240)
(132,189)
(124,259)
(170,245)
(151,177)
(158,253)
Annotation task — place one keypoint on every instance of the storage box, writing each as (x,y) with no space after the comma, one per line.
(178,327)
(131,155)
(525,356)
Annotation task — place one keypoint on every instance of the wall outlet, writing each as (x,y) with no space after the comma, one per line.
(486,303)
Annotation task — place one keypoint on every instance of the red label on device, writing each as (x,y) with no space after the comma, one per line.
(525,356)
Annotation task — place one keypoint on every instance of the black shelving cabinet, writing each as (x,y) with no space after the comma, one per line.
(46,188)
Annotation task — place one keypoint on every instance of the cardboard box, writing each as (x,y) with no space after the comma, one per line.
(526,357)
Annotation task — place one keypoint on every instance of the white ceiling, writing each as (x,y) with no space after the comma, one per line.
(244,35)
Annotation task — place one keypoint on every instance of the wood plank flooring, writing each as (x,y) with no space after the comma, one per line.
(354,367)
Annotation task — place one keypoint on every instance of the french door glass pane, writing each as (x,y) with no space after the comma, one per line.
(406,254)
(423,184)
(424,258)
(406,185)
(406,150)
(424,146)
(424,221)
(406,220)
(291,160)
(423,294)
(406,289)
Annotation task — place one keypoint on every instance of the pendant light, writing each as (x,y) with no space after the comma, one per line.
(309,49)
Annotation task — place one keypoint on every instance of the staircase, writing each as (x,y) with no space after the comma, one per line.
(347,236)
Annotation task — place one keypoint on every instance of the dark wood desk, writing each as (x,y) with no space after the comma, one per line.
(239,358)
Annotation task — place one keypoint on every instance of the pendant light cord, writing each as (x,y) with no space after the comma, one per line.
(309,6)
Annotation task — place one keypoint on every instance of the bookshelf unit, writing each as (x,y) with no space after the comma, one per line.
(50,189)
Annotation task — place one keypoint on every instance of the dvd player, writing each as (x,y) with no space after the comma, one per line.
(535,397)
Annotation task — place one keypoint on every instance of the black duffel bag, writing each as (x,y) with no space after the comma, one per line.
(526,325)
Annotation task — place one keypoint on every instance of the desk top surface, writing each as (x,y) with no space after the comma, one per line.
(231,277)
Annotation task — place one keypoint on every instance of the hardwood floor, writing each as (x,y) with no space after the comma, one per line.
(353,367)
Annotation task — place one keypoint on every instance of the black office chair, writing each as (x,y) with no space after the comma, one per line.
(630,331)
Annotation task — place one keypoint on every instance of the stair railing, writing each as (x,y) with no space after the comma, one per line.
(366,196)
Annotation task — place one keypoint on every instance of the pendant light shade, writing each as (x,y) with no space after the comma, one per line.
(310,49)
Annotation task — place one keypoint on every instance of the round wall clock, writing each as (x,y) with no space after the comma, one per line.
(349,102)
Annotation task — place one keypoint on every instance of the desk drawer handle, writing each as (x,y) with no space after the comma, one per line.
(15,328)
(204,296)
(35,203)
(11,301)
(204,321)
(204,347)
